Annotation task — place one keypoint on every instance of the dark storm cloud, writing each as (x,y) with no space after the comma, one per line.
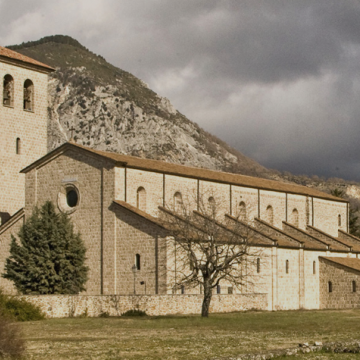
(278,80)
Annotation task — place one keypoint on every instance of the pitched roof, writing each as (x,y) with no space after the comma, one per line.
(198,173)
(139,212)
(14,218)
(13,55)
(352,263)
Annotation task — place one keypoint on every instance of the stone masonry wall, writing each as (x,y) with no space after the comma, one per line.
(86,173)
(8,229)
(342,296)
(57,306)
(326,216)
(29,126)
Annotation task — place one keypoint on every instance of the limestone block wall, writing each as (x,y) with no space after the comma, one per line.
(136,235)
(311,273)
(249,197)
(29,126)
(152,182)
(58,306)
(342,295)
(301,205)
(187,187)
(12,227)
(277,201)
(288,283)
(220,193)
(326,216)
(91,217)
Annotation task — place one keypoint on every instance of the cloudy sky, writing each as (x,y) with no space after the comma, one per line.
(278,80)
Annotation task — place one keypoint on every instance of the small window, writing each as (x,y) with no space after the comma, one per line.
(339,220)
(137,262)
(141,199)
(178,203)
(211,205)
(72,197)
(8,91)
(242,212)
(330,287)
(314,267)
(230,290)
(270,215)
(353,286)
(295,218)
(182,289)
(287,266)
(258,265)
(18,146)
(218,289)
(28,95)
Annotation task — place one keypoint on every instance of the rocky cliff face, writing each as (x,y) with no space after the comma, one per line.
(113,110)
(110,109)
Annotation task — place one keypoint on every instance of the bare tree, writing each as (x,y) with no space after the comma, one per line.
(205,247)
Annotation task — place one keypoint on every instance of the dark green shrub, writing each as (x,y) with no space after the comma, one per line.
(104,314)
(49,257)
(12,344)
(19,309)
(134,312)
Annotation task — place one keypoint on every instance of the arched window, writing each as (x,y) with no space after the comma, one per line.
(330,287)
(295,218)
(258,265)
(211,205)
(137,262)
(18,146)
(242,211)
(270,215)
(8,91)
(182,289)
(287,266)
(141,198)
(218,289)
(28,95)
(339,220)
(353,283)
(314,267)
(178,202)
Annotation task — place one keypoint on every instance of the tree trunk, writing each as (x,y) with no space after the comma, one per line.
(206,301)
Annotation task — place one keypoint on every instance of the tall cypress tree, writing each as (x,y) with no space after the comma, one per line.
(49,257)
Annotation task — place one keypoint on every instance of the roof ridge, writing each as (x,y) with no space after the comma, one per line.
(11,54)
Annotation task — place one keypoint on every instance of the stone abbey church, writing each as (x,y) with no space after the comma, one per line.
(310,260)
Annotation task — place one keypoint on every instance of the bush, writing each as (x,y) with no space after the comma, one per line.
(134,312)
(104,314)
(19,309)
(12,344)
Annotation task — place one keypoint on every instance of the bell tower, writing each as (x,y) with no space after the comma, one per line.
(23,122)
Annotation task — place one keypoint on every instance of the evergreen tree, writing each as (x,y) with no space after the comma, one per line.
(354,227)
(49,257)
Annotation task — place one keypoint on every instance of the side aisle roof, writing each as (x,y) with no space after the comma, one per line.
(7,54)
(192,172)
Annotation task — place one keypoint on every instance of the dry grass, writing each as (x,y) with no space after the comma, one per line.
(189,337)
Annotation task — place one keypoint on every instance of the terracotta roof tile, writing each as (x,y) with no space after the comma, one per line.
(4,52)
(211,175)
(352,263)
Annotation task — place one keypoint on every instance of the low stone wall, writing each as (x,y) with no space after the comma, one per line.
(57,306)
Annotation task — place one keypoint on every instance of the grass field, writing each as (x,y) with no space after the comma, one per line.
(188,337)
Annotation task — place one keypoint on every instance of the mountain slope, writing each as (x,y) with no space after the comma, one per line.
(110,109)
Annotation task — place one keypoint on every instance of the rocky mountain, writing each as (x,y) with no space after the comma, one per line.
(110,109)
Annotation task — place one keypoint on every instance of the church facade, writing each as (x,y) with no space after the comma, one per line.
(115,202)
